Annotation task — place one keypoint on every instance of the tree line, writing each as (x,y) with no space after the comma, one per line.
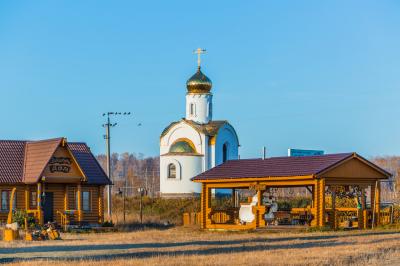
(131,171)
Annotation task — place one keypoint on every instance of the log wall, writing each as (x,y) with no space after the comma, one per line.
(60,202)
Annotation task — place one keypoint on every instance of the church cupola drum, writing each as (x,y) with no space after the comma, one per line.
(196,143)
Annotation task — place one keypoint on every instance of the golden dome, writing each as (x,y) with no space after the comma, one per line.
(182,146)
(199,83)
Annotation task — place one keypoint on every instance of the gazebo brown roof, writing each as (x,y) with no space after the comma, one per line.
(321,174)
(281,167)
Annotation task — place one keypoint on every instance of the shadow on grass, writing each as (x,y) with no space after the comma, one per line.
(323,241)
(208,251)
(138,226)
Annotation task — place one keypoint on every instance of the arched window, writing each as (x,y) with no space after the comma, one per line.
(225,152)
(191,109)
(171,170)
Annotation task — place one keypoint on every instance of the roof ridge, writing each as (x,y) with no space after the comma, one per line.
(12,140)
(30,141)
(276,157)
(45,140)
(275,166)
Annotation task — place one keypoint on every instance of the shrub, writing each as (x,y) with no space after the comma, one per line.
(19,217)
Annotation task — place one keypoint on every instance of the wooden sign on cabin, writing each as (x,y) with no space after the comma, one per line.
(62,167)
(60,164)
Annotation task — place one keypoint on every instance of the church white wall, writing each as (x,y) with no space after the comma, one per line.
(189,166)
(226,134)
(201,112)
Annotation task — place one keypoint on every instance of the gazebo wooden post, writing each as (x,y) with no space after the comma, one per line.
(362,211)
(365,212)
(321,202)
(372,200)
(234,197)
(205,205)
(314,207)
(333,218)
(375,203)
(260,222)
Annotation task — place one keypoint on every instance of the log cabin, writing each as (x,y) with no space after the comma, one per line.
(55,181)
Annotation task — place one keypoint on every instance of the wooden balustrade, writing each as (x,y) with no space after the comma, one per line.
(63,219)
(227,216)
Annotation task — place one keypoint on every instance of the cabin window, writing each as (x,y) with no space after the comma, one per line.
(33,200)
(171,171)
(5,197)
(86,201)
(5,200)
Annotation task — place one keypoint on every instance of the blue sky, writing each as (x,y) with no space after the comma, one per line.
(301,74)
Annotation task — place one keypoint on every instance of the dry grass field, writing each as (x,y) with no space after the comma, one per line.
(190,246)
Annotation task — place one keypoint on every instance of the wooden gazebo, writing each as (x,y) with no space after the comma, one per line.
(319,174)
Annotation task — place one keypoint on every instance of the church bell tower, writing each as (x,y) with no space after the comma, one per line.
(199,96)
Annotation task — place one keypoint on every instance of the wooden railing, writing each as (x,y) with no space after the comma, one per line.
(389,215)
(345,216)
(228,216)
(65,217)
(64,220)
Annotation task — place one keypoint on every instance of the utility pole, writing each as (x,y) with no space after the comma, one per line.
(125,188)
(107,137)
(141,190)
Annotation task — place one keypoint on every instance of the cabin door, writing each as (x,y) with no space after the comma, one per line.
(48,207)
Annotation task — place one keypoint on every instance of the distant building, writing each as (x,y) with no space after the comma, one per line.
(195,143)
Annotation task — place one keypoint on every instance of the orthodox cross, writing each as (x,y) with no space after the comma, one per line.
(199,51)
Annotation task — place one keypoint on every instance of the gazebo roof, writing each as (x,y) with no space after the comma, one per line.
(284,167)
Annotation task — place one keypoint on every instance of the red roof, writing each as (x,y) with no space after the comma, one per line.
(11,161)
(275,167)
(37,156)
(88,163)
(25,161)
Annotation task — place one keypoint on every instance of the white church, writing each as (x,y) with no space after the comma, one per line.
(195,143)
